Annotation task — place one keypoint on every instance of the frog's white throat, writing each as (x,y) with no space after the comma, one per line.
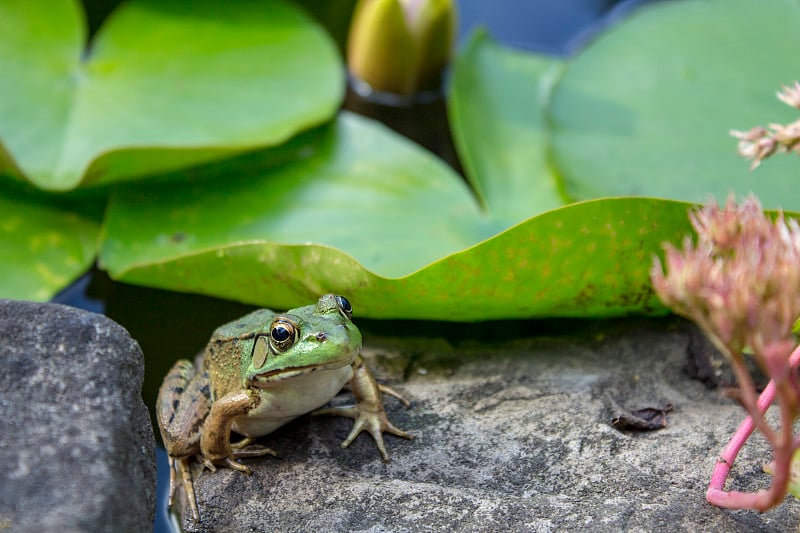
(283,400)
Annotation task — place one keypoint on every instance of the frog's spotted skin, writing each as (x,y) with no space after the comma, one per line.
(260,372)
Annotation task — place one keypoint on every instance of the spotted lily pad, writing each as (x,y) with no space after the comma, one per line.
(43,247)
(353,208)
(371,216)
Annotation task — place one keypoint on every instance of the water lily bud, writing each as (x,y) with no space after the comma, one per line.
(400,46)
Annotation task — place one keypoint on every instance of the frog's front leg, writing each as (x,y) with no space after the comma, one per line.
(192,425)
(368,413)
(215,442)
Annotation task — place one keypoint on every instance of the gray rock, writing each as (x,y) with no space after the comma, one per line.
(76,442)
(511,436)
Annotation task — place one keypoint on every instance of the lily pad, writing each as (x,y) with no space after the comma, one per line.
(43,248)
(646,108)
(496,107)
(362,188)
(371,216)
(352,208)
(160,87)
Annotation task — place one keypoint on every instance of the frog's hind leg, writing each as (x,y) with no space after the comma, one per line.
(184,401)
(182,467)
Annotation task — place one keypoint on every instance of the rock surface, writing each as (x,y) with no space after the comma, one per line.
(510,436)
(76,442)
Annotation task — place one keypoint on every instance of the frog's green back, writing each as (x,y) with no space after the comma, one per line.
(247,326)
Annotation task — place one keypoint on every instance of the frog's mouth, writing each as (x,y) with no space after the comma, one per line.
(263,380)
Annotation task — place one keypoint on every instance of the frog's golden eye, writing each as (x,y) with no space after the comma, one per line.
(260,351)
(344,307)
(282,334)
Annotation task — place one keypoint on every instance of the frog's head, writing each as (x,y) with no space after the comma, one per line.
(304,340)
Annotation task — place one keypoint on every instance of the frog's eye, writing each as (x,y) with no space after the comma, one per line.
(282,334)
(344,307)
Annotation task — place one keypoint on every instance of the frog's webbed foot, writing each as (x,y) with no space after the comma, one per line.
(181,466)
(243,448)
(373,422)
(231,460)
(368,413)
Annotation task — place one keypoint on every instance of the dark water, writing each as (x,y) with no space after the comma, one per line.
(171,325)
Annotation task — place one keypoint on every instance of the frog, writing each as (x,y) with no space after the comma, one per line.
(258,373)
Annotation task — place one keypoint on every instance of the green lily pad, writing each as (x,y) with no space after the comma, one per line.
(496,109)
(161,86)
(363,212)
(646,108)
(371,216)
(362,188)
(43,248)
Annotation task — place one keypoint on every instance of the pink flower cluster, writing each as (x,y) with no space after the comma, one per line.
(759,142)
(740,283)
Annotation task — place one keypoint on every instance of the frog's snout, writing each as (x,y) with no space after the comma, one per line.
(342,337)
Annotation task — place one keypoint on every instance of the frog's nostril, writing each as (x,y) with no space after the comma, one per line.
(321,336)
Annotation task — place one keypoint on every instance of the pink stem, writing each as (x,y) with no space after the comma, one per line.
(716,494)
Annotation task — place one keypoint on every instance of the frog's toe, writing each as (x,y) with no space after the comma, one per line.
(253,451)
(391,392)
(361,425)
(232,463)
(390,428)
(247,441)
(358,426)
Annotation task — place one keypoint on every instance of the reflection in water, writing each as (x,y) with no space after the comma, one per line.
(165,522)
